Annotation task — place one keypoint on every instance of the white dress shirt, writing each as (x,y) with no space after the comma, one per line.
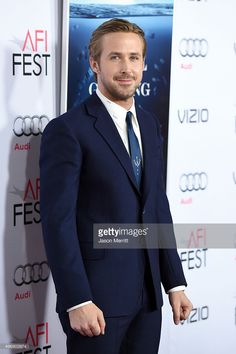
(118,115)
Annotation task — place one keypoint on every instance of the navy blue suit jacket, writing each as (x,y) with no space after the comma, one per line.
(86,178)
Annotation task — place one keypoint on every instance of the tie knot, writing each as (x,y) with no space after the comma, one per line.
(129,118)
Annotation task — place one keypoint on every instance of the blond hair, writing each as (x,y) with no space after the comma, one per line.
(111,26)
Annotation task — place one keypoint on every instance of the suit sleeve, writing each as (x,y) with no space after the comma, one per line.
(60,166)
(171,270)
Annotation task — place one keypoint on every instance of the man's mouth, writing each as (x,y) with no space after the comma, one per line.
(124,80)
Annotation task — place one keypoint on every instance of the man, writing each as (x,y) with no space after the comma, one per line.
(101,164)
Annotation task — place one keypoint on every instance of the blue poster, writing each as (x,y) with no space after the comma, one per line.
(155,18)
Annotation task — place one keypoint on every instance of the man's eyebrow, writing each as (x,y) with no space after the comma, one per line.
(119,53)
(114,53)
(136,53)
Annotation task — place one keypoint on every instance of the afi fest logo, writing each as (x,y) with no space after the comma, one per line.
(196,258)
(28,212)
(38,337)
(34,58)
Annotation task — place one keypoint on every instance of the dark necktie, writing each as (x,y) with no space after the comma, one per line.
(134,149)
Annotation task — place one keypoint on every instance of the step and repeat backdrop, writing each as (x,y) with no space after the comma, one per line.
(201,171)
(190,83)
(30,81)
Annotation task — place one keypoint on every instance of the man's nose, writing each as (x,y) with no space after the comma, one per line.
(125,66)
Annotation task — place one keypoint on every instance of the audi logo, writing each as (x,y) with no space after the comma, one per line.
(193,181)
(189,47)
(31,273)
(28,125)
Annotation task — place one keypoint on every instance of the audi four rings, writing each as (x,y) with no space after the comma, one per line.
(28,125)
(31,273)
(189,47)
(193,181)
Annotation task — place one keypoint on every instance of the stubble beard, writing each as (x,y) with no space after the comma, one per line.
(121,94)
(117,92)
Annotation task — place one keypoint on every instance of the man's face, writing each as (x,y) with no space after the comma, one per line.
(120,67)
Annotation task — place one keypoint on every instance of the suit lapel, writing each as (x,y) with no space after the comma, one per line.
(107,129)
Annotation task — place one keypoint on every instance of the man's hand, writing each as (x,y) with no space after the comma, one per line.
(88,320)
(181,306)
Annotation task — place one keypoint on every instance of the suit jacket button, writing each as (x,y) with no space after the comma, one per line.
(144,211)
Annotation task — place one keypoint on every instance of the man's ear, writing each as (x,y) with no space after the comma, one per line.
(94,65)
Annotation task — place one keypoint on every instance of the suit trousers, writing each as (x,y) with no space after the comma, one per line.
(137,333)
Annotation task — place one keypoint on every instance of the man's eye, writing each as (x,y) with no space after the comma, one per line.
(114,57)
(134,58)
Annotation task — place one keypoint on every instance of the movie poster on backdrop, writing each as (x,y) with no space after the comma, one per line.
(81,17)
